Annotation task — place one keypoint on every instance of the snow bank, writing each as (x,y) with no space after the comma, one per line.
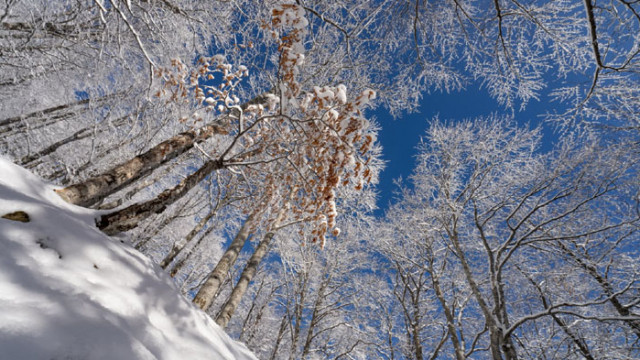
(67,291)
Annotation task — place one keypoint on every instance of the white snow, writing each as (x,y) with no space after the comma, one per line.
(67,291)
(341,94)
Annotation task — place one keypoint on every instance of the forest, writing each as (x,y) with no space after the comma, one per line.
(234,143)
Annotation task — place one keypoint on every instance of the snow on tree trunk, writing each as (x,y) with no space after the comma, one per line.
(250,269)
(243,284)
(453,333)
(206,294)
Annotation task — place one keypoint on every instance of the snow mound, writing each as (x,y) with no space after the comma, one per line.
(67,291)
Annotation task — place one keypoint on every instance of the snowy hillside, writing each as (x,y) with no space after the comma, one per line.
(67,291)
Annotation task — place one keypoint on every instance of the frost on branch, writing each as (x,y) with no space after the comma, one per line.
(289,26)
(332,138)
(305,157)
(295,148)
(208,87)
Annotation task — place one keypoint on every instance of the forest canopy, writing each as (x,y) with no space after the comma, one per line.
(233,142)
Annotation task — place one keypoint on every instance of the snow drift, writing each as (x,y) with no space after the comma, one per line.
(67,291)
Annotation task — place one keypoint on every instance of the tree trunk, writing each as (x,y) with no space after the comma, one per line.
(129,217)
(180,263)
(283,327)
(253,328)
(150,231)
(78,135)
(179,246)
(497,343)
(315,315)
(411,289)
(448,313)
(247,318)
(298,315)
(415,336)
(19,120)
(249,272)
(97,188)
(140,185)
(208,291)
(580,343)
(243,284)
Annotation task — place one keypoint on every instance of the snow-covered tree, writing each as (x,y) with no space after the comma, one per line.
(190,122)
(531,243)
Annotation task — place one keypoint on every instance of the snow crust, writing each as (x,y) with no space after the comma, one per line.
(67,291)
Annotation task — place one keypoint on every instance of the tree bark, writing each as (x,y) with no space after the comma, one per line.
(247,318)
(415,336)
(151,231)
(298,315)
(97,188)
(412,318)
(249,272)
(132,191)
(64,107)
(241,287)
(129,217)
(207,293)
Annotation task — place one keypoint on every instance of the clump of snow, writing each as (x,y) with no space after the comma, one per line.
(291,15)
(365,97)
(67,291)
(341,94)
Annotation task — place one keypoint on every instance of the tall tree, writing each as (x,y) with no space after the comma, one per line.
(143,106)
(249,271)
(502,210)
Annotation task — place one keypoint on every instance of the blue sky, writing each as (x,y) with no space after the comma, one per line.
(400,137)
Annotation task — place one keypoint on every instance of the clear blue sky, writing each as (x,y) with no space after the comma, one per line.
(400,137)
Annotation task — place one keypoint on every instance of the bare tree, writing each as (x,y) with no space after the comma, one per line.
(502,210)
